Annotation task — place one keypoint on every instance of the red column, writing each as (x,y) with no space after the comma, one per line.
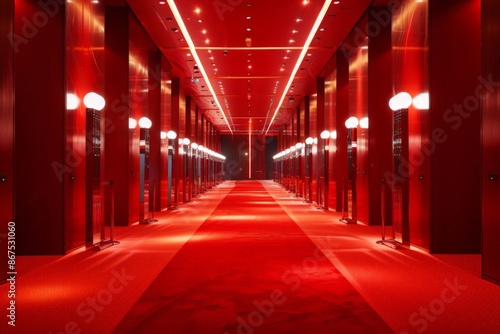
(491,141)
(40,164)
(6,126)
(379,114)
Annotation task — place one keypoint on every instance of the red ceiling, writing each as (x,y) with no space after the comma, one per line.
(249,96)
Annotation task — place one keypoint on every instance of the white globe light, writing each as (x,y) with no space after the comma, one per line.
(163,135)
(145,122)
(72,101)
(325,134)
(400,101)
(421,101)
(171,134)
(363,123)
(309,141)
(351,122)
(186,141)
(132,123)
(94,101)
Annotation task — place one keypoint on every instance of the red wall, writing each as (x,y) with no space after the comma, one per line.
(380,115)
(411,74)
(165,107)
(39,119)
(330,125)
(84,63)
(456,162)
(117,112)
(491,141)
(342,116)
(358,107)
(6,126)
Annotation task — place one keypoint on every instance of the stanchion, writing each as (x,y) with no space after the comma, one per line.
(320,192)
(392,243)
(103,244)
(307,190)
(346,218)
(151,219)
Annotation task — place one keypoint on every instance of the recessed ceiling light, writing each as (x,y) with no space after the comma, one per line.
(197,11)
(249,29)
(249,17)
(204,31)
(294,31)
(299,20)
(336,2)
(162,2)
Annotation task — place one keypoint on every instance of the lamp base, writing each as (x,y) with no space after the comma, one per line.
(104,244)
(148,221)
(391,243)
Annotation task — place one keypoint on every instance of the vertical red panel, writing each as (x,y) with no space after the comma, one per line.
(358,107)
(491,141)
(314,133)
(138,79)
(6,127)
(165,107)
(342,113)
(380,115)
(330,125)
(39,117)
(154,102)
(117,112)
(84,64)
(455,126)
(411,74)
(174,125)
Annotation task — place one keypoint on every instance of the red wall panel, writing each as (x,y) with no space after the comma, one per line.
(165,109)
(342,116)
(330,125)
(84,74)
(358,107)
(6,126)
(380,116)
(411,74)
(117,112)
(39,119)
(456,207)
(491,141)
(154,115)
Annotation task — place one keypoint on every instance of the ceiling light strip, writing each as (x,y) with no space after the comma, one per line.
(192,48)
(303,53)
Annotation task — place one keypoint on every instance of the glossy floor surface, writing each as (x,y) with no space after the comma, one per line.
(413,292)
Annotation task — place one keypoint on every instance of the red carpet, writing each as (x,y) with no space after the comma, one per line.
(250,269)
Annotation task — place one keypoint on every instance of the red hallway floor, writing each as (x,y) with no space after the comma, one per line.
(413,292)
